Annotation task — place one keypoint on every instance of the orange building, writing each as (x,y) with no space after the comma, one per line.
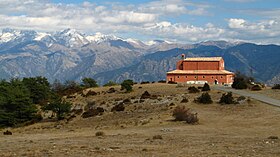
(201,70)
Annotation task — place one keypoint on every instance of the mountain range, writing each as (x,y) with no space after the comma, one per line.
(71,55)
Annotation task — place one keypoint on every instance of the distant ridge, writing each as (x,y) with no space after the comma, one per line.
(72,55)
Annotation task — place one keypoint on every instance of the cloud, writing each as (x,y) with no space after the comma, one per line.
(254,30)
(188,33)
(240,1)
(153,19)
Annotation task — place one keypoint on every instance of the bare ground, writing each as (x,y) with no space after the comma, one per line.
(223,130)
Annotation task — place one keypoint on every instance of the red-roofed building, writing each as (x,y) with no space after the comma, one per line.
(200,70)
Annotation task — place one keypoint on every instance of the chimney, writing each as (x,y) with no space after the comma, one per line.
(183,56)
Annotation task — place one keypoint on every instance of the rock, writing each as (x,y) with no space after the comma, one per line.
(273,137)
(119,107)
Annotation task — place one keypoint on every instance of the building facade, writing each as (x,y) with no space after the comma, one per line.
(201,70)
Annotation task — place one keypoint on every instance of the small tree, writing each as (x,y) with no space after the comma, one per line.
(127,85)
(58,106)
(241,81)
(89,82)
(206,87)
(227,99)
(205,98)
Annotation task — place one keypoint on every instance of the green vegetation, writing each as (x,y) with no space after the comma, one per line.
(110,83)
(58,106)
(89,82)
(127,85)
(193,89)
(206,87)
(16,105)
(227,99)
(205,98)
(276,86)
(22,99)
(241,81)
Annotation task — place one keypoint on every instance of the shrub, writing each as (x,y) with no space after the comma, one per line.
(90,93)
(93,112)
(276,86)
(58,106)
(145,95)
(206,87)
(157,137)
(227,99)
(241,81)
(7,132)
(89,82)
(172,82)
(205,98)
(111,90)
(184,100)
(110,83)
(193,89)
(127,85)
(145,82)
(256,88)
(119,107)
(180,113)
(162,81)
(99,133)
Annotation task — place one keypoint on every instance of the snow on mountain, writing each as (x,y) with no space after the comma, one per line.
(8,35)
(99,37)
(71,38)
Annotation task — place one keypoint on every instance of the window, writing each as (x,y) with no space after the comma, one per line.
(221,76)
(186,76)
(195,77)
(212,77)
(178,76)
(203,76)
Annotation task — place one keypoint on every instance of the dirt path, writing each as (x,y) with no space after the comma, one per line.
(259,97)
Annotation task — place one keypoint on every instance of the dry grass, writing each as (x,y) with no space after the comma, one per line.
(229,130)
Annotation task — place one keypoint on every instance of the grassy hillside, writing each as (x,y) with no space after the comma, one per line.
(146,127)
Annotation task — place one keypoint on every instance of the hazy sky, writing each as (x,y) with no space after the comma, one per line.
(174,20)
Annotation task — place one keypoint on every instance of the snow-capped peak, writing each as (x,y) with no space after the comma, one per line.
(8,35)
(156,42)
(99,37)
(40,36)
(71,37)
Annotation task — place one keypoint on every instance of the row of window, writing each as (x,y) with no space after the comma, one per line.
(202,77)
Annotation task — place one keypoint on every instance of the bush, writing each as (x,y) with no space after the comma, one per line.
(99,133)
(227,99)
(58,106)
(256,88)
(145,82)
(89,82)
(111,90)
(276,86)
(180,113)
(162,81)
(206,87)
(184,100)
(205,98)
(93,112)
(127,85)
(241,81)
(110,83)
(193,89)
(117,108)
(172,82)
(145,95)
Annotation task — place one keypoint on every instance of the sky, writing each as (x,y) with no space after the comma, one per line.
(183,21)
